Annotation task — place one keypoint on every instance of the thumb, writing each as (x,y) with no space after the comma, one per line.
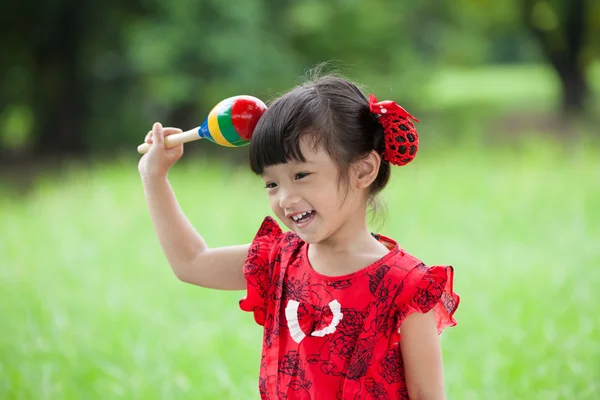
(158,135)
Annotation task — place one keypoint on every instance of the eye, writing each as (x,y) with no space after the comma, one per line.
(301,175)
(270,185)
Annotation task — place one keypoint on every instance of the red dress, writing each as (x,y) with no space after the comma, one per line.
(337,337)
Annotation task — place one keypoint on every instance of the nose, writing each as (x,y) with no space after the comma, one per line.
(288,199)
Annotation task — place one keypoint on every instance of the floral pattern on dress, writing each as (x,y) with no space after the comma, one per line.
(359,357)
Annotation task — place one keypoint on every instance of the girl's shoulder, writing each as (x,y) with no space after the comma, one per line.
(270,239)
(401,262)
(269,231)
(422,286)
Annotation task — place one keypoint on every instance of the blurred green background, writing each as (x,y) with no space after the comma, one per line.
(506,187)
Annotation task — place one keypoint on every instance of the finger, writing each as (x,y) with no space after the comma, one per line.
(148,138)
(158,134)
(170,131)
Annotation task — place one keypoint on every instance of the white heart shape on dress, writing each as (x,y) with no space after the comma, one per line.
(291,315)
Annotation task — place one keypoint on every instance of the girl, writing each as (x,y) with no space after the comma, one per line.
(346,314)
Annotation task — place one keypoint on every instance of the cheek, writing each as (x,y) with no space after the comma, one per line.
(273,201)
(340,200)
(328,198)
(279,213)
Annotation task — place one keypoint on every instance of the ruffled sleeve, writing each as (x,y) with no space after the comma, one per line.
(258,269)
(432,289)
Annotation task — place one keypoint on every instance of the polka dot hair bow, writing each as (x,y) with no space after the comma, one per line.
(401,138)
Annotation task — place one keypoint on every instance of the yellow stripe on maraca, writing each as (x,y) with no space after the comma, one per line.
(213,126)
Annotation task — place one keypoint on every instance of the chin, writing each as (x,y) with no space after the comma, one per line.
(310,238)
(307,238)
(314,234)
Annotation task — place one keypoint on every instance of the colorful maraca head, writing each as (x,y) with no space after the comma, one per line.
(231,122)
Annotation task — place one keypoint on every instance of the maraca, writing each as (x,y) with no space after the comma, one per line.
(230,123)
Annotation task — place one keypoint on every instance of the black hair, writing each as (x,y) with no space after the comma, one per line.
(335,113)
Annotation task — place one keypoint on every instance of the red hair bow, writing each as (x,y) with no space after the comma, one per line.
(401,137)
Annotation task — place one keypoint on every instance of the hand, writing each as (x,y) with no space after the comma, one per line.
(159,159)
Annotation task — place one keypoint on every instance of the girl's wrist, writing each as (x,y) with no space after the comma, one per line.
(150,179)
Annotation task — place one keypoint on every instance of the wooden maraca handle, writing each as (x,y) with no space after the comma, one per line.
(173,140)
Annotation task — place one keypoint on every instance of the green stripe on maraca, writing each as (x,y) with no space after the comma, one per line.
(227,129)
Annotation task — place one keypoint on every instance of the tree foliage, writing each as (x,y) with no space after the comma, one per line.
(80,76)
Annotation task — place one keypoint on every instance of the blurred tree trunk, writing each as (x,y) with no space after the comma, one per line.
(562,45)
(58,91)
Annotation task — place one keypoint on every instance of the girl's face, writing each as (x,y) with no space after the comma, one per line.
(308,197)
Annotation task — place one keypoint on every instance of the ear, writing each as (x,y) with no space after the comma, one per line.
(367,169)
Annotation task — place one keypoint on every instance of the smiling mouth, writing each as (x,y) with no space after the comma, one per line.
(304,217)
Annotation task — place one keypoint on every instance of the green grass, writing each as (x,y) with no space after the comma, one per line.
(90,309)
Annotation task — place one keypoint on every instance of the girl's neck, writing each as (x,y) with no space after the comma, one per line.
(350,238)
(350,249)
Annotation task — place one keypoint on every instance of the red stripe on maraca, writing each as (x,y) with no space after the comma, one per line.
(245,114)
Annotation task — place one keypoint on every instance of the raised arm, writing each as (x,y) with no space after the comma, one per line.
(190,258)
